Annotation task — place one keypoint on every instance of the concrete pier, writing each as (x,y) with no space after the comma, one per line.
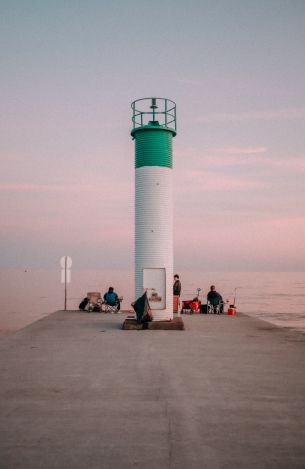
(78,392)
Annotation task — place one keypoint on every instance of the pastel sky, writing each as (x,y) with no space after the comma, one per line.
(69,71)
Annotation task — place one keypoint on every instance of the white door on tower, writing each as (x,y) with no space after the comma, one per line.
(154,280)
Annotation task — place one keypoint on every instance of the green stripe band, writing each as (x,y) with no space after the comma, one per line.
(153,147)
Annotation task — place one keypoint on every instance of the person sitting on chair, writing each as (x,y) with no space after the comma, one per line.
(111,298)
(215,300)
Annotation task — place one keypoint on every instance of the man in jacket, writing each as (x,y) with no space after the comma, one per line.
(215,300)
(177,285)
(176,293)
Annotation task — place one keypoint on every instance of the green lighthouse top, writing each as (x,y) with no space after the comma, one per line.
(154,113)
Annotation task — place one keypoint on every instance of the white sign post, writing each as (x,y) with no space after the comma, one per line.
(66,264)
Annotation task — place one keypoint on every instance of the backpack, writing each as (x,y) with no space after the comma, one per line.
(83,304)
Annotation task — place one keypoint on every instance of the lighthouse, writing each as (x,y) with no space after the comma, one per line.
(154,126)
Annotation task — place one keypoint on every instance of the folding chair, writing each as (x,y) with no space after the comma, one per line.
(106,308)
(216,308)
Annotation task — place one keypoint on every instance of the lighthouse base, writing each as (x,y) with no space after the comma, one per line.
(130,324)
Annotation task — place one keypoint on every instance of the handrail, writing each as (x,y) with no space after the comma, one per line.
(146,110)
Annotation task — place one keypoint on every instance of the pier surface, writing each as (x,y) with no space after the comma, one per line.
(78,392)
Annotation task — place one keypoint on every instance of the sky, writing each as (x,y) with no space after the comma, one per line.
(69,71)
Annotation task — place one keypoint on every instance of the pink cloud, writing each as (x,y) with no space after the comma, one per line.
(224,156)
(77,187)
(29,187)
(91,212)
(234,160)
(252,239)
(187,152)
(288,222)
(206,181)
(295,164)
(193,152)
(237,156)
(266,115)
(239,150)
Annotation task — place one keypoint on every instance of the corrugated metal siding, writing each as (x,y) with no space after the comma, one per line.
(154,229)
(153,148)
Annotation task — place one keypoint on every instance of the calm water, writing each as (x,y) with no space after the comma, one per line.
(29,295)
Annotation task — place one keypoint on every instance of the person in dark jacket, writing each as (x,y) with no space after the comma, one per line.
(215,299)
(176,293)
(177,285)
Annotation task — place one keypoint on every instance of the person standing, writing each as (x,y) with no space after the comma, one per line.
(176,293)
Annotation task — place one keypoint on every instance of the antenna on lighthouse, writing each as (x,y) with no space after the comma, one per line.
(153,107)
(154,103)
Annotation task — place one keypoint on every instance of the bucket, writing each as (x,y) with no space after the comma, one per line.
(232,310)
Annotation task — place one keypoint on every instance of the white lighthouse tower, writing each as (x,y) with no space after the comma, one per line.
(154,126)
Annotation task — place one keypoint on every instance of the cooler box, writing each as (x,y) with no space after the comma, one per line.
(231,311)
(191,305)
